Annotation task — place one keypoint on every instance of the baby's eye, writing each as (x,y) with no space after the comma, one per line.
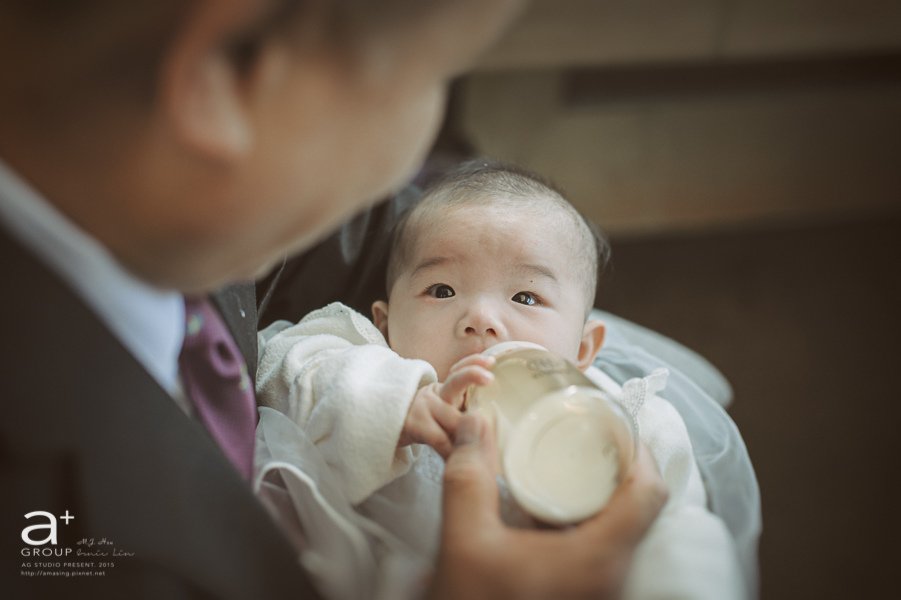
(526,298)
(440,290)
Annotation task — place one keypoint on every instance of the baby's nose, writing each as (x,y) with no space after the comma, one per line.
(486,330)
(481,322)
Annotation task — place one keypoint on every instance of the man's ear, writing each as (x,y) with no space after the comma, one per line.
(592,340)
(380,316)
(203,89)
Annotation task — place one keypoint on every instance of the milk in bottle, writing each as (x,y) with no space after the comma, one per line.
(564,444)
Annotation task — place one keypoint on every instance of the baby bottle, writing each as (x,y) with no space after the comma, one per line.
(564,444)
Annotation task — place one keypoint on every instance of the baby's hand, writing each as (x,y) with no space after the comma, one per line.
(435,411)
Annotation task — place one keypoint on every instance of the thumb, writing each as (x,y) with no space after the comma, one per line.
(470,489)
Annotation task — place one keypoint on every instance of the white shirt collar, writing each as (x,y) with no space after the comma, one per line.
(147,320)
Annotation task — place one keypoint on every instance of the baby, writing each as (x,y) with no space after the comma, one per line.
(492,253)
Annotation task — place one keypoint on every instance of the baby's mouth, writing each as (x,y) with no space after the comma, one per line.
(468,354)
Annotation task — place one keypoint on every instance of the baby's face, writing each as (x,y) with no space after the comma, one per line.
(478,276)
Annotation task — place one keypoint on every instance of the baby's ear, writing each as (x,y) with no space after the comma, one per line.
(592,340)
(380,316)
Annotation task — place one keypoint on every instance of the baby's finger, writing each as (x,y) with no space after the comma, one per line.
(433,435)
(452,390)
(446,415)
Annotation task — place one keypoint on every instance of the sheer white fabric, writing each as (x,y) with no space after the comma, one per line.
(729,478)
(389,538)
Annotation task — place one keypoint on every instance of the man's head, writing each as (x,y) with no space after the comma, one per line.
(492,253)
(201,140)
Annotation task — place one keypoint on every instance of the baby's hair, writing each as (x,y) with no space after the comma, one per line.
(487,182)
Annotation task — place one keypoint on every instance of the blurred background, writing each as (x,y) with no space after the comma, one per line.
(745,158)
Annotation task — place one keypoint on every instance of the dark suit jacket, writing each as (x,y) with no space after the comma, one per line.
(85,429)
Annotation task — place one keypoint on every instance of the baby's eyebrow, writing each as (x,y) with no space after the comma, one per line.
(537,269)
(428,264)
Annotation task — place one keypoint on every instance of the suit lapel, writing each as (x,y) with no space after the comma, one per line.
(237,305)
(88,430)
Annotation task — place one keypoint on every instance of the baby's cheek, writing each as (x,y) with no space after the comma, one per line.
(420,338)
(439,362)
(410,347)
(432,354)
(567,347)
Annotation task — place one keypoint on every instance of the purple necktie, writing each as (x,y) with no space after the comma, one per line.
(215,378)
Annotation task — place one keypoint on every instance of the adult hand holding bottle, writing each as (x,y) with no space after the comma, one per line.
(482,558)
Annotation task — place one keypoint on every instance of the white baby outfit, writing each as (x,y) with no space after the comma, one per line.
(365,515)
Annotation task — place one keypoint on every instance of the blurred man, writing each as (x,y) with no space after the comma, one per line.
(154,152)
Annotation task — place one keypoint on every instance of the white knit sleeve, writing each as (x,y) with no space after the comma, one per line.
(335,376)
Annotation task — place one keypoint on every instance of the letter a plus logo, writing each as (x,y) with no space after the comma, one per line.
(50,526)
